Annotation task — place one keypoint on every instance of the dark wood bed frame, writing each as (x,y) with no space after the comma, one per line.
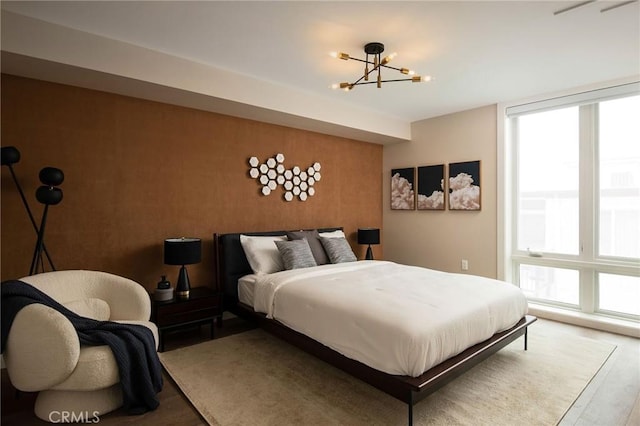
(232,264)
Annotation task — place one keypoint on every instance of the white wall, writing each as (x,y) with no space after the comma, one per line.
(440,239)
(45,51)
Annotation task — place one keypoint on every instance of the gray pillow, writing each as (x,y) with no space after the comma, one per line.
(314,243)
(338,249)
(296,254)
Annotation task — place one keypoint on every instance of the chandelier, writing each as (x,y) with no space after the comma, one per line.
(373,64)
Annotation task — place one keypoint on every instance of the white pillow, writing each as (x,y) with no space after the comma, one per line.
(332,234)
(262,253)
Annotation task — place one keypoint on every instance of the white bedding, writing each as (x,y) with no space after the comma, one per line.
(395,318)
(246,286)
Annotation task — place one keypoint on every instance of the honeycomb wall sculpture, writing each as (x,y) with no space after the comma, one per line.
(296,182)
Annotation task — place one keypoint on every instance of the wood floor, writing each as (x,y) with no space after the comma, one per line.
(174,409)
(611,399)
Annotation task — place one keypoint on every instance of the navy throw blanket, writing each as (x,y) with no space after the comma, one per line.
(133,346)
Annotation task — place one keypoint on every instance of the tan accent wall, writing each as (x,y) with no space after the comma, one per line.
(441,239)
(137,172)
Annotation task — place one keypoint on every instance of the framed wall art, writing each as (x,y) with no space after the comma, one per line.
(431,185)
(402,189)
(464,186)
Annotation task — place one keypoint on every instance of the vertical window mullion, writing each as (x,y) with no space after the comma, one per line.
(513,134)
(588,293)
(588,179)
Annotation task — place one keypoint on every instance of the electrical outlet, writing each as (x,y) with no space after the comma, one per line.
(464,264)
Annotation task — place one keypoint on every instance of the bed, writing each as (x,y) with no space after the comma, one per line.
(405,346)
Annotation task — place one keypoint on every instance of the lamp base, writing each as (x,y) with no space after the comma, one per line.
(369,255)
(183,286)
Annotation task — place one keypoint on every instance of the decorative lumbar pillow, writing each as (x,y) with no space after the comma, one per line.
(315,245)
(338,249)
(296,254)
(91,307)
(333,234)
(262,253)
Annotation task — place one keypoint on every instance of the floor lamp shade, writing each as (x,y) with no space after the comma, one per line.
(369,236)
(182,251)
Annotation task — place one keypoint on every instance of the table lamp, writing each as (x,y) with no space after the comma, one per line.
(182,251)
(369,236)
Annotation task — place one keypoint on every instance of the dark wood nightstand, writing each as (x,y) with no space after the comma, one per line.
(203,306)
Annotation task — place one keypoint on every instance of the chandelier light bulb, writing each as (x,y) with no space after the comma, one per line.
(345,86)
(407,71)
(388,59)
(418,79)
(339,55)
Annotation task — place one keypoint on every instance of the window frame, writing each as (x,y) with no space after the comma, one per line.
(589,262)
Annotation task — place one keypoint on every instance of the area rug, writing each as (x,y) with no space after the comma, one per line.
(254,378)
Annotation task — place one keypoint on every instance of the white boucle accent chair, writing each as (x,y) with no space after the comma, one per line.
(43,353)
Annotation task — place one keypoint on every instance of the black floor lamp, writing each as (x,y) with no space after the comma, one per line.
(10,156)
(48,195)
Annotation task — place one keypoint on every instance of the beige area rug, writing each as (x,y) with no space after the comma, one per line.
(254,378)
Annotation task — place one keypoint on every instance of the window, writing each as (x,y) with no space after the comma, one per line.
(619,293)
(619,178)
(575,210)
(552,284)
(548,180)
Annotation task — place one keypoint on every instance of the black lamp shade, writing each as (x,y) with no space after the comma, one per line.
(182,251)
(10,155)
(368,236)
(49,195)
(51,176)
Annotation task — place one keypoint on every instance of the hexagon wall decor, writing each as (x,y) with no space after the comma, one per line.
(297,182)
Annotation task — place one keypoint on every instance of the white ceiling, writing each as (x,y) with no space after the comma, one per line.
(478,52)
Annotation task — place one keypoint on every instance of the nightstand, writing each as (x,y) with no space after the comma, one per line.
(202,307)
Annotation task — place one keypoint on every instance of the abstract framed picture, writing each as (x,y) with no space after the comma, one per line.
(431,187)
(464,186)
(402,189)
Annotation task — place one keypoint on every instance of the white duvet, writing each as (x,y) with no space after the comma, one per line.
(395,318)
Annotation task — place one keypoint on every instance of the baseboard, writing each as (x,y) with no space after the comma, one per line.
(598,322)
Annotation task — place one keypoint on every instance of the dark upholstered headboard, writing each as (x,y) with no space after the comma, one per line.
(232,264)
